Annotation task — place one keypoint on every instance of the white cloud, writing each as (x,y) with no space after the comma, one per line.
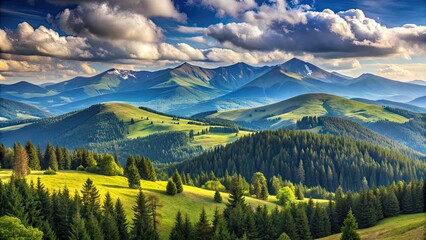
(43,41)
(2,77)
(187,29)
(100,21)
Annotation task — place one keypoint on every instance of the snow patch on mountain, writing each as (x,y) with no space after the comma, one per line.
(124,74)
(309,71)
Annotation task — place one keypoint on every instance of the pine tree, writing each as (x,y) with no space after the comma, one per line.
(133,176)
(390,204)
(220,227)
(33,160)
(20,164)
(284,236)
(121,219)
(366,213)
(109,224)
(142,222)
(188,228)
(178,231)
(320,224)
(130,161)
(203,229)
(93,228)
(217,197)
(178,181)
(78,229)
(171,188)
(50,159)
(91,198)
(153,204)
(301,222)
(349,229)
(289,226)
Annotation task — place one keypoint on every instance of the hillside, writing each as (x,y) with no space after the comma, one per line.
(327,161)
(13,110)
(405,106)
(103,126)
(191,201)
(420,102)
(287,112)
(410,226)
(353,130)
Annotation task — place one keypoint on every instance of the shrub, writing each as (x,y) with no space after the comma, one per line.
(80,168)
(171,188)
(213,185)
(49,171)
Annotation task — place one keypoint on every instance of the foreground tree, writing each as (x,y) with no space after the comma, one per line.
(12,228)
(203,230)
(142,220)
(91,199)
(133,176)
(349,229)
(120,217)
(33,159)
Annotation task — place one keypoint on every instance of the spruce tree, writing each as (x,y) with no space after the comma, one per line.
(349,229)
(289,226)
(133,176)
(171,187)
(217,197)
(142,221)
(121,220)
(203,230)
(130,161)
(178,231)
(390,204)
(109,224)
(301,222)
(91,198)
(188,228)
(50,159)
(33,159)
(78,229)
(320,223)
(93,228)
(178,181)
(284,236)
(220,227)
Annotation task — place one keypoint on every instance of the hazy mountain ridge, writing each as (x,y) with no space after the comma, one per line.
(13,110)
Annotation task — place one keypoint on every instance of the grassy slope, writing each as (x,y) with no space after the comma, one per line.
(161,123)
(411,227)
(191,201)
(289,111)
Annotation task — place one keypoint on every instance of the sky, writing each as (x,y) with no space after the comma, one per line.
(50,41)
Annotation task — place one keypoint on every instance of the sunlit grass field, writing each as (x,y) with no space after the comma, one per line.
(410,227)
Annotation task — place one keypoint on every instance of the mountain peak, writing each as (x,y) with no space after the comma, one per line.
(295,60)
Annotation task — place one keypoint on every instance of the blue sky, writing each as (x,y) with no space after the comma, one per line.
(55,40)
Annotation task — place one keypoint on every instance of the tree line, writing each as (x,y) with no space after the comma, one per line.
(307,158)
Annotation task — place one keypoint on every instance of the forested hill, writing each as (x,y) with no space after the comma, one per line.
(312,159)
(344,127)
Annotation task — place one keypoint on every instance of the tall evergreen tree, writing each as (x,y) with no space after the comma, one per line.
(217,197)
(178,181)
(390,204)
(203,230)
(121,219)
(50,159)
(289,226)
(142,222)
(33,159)
(133,176)
(78,229)
(220,227)
(301,222)
(91,198)
(93,228)
(20,164)
(109,224)
(349,229)
(178,231)
(320,223)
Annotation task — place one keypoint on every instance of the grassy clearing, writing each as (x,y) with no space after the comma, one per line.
(412,226)
(147,123)
(191,201)
(291,110)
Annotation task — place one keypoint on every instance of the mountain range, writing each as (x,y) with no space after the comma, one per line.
(188,89)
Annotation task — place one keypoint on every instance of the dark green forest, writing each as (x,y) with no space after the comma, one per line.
(307,158)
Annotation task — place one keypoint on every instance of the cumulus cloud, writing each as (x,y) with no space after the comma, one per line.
(147,8)
(43,41)
(100,21)
(325,34)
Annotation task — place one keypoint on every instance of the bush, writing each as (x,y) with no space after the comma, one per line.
(108,166)
(49,171)
(214,185)
(81,168)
